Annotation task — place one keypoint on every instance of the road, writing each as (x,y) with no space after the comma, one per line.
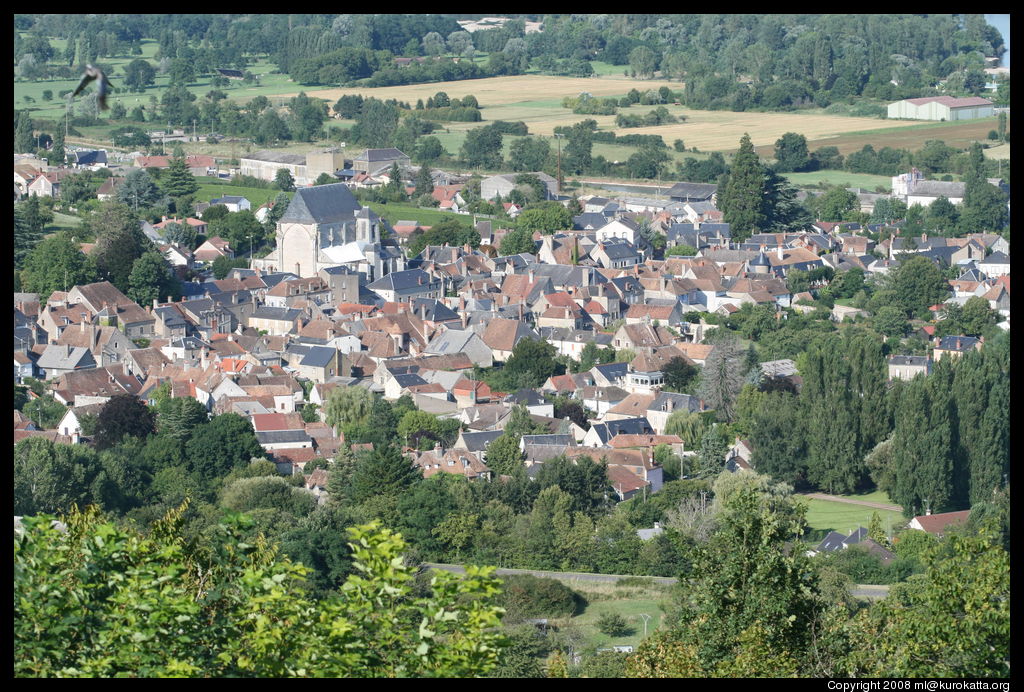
(849,501)
(870,591)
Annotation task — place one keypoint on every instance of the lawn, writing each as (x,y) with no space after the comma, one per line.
(629,602)
(844,518)
(210,188)
(408,212)
(62,222)
(861,180)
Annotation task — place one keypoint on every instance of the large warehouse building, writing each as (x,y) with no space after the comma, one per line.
(942,108)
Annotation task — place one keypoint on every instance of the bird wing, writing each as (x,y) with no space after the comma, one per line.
(84,83)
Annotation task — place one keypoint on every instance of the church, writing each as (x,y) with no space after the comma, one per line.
(325,226)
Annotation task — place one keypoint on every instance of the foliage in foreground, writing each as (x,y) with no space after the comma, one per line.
(97,600)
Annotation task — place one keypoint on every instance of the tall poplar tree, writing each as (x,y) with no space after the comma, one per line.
(742,199)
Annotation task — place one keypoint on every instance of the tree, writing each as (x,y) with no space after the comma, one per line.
(741,197)
(531,364)
(226,442)
(123,415)
(424,183)
(891,321)
(711,457)
(50,477)
(28,229)
(178,418)
(246,604)
(517,241)
(181,234)
(984,206)
(576,158)
(749,577)
(284,180)
(177,180)
(722,377)
(376,123)
(546,217)
(482,148)
(138,190)
(836,204)
(57,264)
(271,128)
(643,61)
(383,472)
(139,74)
(348,407)
(529,154)
(152,279)
(24,141)
(791,153)
(962,601)
(919,284)
(428,149)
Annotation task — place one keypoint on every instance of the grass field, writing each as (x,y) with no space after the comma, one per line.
(408,212)
(211,189)
(861,180)
(844,517)
(629,602)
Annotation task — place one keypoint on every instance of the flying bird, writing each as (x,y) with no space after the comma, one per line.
(92,73)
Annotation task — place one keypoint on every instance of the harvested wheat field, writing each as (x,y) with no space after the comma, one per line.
(499,91)
(722,130)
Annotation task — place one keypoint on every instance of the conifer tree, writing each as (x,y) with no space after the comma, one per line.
(742,199)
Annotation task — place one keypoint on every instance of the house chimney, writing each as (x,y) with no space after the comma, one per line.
(779,252)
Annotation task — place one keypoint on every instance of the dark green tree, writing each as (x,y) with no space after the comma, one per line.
(740,198)
(384,471)
(123,415)
(177,180)
(791,153)
(119,242)
(226,442)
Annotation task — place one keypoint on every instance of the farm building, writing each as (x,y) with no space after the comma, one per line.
(941,108)
(305,168)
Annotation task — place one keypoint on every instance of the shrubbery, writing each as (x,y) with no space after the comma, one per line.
(527,596)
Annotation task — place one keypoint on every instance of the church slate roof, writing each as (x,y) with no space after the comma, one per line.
(322,204)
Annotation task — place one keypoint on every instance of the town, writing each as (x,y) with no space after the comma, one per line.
(541,370)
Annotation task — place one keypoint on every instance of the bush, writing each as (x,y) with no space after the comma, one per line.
(526,596)
(613,625)
(993,135)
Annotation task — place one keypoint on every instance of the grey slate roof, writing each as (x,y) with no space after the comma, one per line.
(957,343)
(527,397)
(319,356)
(562,440)
(692,191)
(450,341)
(997,257)
(622,250)
(589,220)
(265,312)
(64,358)
(478,441)
(436,311)
(280,436)
(322,204)
(402,281)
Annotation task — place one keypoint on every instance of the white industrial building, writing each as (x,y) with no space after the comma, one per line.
(941,108)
